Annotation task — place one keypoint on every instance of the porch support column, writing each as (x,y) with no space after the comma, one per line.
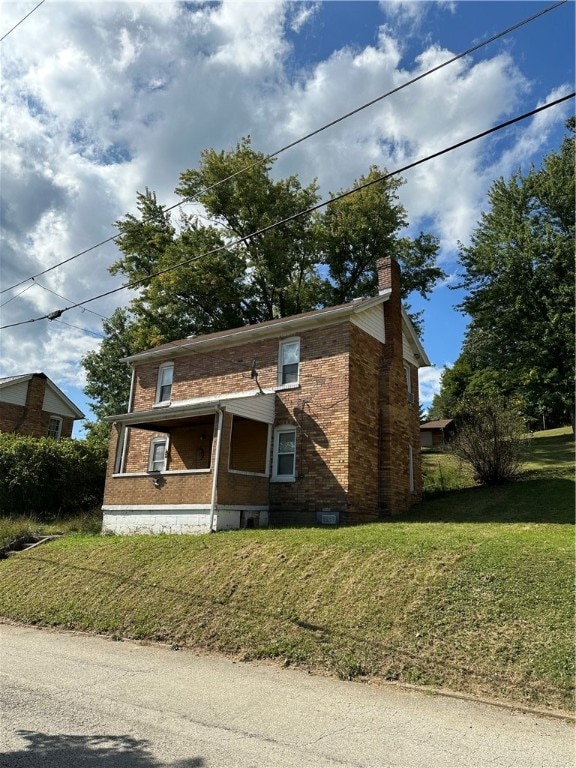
(216,465)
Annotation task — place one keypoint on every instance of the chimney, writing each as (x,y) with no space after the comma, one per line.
(388,275)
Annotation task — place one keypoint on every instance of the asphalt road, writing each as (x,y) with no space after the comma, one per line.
(70,701)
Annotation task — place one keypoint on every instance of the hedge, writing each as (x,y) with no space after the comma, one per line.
(48,478)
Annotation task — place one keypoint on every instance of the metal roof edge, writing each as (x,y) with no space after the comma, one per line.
(415,341)
(235,337)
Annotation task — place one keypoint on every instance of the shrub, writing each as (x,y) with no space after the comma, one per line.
(490,438)
(45,478)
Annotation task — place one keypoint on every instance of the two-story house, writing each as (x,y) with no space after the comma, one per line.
(306,419)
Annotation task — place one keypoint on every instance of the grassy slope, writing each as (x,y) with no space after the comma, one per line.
(472,591)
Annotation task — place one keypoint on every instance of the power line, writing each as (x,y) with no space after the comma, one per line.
(16,295)
(65,299)
(315,132)
(59,312)
(86,330)
(21,20)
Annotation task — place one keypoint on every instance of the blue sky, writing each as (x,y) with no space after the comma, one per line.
(101,99)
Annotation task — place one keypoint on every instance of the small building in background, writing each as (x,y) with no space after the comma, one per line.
(31,404)
(436,433)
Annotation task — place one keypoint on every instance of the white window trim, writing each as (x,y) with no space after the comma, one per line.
(58,435)
(164,472)
(411,479)
(153,442)
(408,374)
(161,369)
(276,478)
(283,343)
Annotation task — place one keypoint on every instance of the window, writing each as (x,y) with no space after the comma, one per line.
(288,362)
(411,483)
(158,454)
(284,468)
(164,387)
(55,427)
(408,374)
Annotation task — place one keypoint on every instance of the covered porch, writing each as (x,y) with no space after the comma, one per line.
(192,466)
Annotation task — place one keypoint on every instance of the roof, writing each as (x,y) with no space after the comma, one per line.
(9,381)
(438,424)
(278,327)
(254,404)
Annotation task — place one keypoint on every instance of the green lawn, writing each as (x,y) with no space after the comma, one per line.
(472,591)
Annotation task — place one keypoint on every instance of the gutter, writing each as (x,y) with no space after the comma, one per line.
(220,411)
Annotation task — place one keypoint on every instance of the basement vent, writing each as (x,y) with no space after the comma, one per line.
(328,517)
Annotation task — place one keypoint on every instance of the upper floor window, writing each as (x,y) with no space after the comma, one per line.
(408,373)
(164,386)
(55,427)
(289,362)
(158,454)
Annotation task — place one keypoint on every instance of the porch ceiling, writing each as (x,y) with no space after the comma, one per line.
(251,405)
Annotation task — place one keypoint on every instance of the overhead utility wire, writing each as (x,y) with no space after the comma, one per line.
(59,312)
(271,156)
(44,288)
(21,20)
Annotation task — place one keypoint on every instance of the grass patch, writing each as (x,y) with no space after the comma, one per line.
(14,528)
(472,591)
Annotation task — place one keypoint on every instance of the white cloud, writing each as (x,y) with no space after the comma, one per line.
(303,13)
(100,100)
(429,382)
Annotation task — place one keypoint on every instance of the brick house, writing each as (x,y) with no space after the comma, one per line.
(31,404)
(306,419)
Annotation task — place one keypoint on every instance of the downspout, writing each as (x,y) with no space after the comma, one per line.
(220,412)
(131,395)
(126,430)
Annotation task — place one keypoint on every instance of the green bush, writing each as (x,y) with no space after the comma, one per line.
(44,478)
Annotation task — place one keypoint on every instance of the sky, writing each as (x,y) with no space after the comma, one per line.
(100,100)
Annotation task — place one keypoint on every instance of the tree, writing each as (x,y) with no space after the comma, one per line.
(304,263)
(519,273)
(356,230)
(108,377)
(490,438)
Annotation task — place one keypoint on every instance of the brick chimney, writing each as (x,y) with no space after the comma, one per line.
(397,418)
(388,275)
(389,278)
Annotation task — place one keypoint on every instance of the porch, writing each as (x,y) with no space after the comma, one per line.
(191,467)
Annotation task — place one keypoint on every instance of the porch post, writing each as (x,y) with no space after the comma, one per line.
(216,465)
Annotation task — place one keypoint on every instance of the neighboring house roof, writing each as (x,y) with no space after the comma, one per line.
(53,394)
(438,424)
(285,325)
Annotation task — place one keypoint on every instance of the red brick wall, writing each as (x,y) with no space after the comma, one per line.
(399,426)
(365,366)
(11,416)
(319,410)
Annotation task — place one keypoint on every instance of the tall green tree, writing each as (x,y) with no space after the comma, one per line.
(354,231)
(108,378)
(519,274)
(306,262)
